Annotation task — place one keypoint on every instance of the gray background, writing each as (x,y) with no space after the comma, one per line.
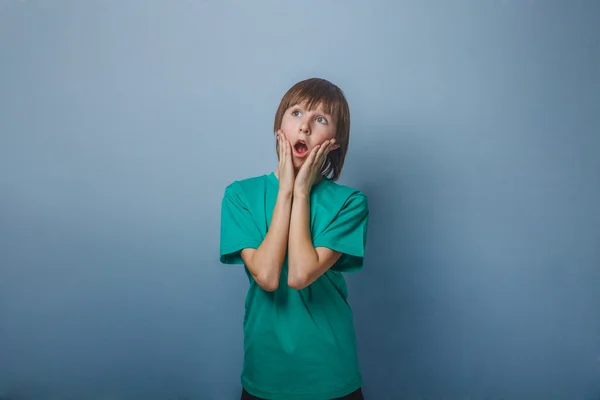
(475,134)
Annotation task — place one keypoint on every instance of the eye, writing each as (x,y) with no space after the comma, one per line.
(321,120)
(296,113)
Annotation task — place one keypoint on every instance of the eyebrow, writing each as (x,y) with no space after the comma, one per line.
(318,110)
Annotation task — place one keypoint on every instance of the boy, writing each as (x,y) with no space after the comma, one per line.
(296,230)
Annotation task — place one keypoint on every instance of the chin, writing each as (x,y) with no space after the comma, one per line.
(298,163)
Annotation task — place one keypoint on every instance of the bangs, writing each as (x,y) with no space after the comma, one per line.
(316,93)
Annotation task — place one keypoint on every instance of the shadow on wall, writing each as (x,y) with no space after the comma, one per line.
(385,295)
(161,387)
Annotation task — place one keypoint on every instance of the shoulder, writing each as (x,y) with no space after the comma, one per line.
(338,198)
(347,193)
(246,185)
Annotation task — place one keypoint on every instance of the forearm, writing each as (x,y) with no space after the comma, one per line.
(266,261)
(301,252)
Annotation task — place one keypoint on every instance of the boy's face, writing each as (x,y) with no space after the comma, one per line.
(305,129)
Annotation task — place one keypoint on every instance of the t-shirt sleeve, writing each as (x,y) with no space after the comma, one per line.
(238,228)
(347,233)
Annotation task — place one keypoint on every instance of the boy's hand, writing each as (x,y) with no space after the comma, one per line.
(285,169)
(310,170)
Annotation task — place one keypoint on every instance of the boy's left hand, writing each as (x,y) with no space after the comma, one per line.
(311,168)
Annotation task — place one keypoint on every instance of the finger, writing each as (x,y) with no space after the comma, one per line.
(314,153)
(334,145)
(326,147)
(280,137)
(288,150)
(323,151)
(312,157)
(331,145)
(279,148)
(283,150)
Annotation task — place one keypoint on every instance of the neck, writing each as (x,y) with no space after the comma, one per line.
(318,179)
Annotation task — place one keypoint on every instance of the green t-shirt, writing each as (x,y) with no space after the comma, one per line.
(298,344)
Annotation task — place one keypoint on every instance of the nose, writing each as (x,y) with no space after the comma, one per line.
(305,126)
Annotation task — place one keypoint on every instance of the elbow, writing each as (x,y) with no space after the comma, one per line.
(298,281)
(269,284)
(269,287)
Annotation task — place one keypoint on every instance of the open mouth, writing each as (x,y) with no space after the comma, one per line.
(300,148)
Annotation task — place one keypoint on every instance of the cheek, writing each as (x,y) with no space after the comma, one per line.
(324,134)
(286,123)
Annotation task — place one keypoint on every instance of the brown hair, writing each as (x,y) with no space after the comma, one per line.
(315,92)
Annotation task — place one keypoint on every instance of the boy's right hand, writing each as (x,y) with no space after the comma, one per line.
(285,169)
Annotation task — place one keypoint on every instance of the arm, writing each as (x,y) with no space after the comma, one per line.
(305,262)
(264,263)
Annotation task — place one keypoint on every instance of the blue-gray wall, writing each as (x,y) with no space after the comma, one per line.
(475,134)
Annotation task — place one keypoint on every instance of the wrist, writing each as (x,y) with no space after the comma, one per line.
(285,194)
(301,194)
